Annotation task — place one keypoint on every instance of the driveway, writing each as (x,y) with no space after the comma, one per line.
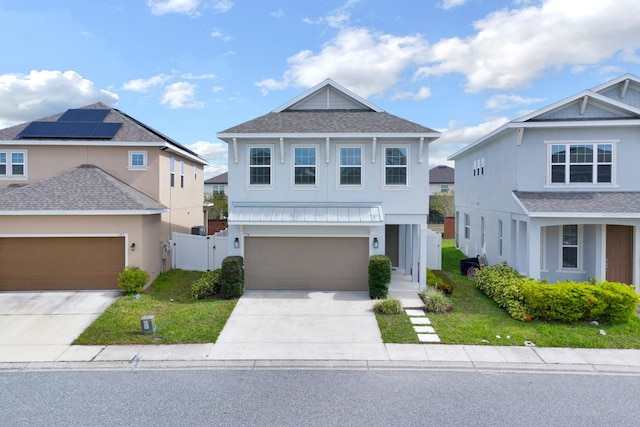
(301,325)
(40,326)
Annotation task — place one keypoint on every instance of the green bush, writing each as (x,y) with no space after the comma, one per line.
(436,279)
(132,279)
(435,301)
(379,276)
(566,302)
(207,285)
(232,277)
(388,306)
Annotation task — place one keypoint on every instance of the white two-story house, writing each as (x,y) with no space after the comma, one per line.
(320,184)
(556,194)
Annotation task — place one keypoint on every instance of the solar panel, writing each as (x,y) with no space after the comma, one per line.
(83,115)
(70,130)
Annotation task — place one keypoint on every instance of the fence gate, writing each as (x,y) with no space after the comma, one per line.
(200,253)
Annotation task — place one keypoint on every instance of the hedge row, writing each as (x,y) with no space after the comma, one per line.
(525,298)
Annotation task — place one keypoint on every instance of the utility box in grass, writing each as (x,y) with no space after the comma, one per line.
(148,324)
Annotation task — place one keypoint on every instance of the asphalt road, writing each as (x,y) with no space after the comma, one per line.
(315,398)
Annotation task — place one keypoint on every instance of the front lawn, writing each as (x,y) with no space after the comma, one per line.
(476,319)
(179,318)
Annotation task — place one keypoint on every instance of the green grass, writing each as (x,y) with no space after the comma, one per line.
(476,319)
(396,328)
(179,318)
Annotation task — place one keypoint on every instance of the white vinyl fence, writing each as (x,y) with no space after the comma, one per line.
(434,250)
(200,253)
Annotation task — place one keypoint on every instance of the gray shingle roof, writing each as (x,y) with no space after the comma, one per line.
(223,178)
(583,202)
(85,188)
(328,121)
(131,131)
(441,175)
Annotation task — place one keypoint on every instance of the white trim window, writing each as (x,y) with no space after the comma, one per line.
(396,166)
(305,166)
(581,163)
(350,172)
(500,235)
(467,226)
(260,166)
(570,247)
(138,160)
(13,164)
(172,172)
(482,232)
(181,174)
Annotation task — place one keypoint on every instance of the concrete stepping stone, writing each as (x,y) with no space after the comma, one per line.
(414,312)
(424,329)
(429,338)
(420,320)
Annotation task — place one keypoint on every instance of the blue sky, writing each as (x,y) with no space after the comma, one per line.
(191,68)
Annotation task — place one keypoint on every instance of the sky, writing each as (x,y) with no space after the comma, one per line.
(192,68)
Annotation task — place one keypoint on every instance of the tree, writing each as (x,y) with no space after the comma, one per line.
(219,210)
(444,203)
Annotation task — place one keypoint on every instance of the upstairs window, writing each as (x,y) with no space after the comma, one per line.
(137,160)
(13,164)
(304,166)
(396,166)
(350,165)
(181,174)
(172,171)
(260,165)
(582,163)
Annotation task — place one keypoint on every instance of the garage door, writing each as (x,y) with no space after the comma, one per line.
(307,263)
(60,263)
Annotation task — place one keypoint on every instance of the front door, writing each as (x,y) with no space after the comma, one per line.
(392,243)
(619,253)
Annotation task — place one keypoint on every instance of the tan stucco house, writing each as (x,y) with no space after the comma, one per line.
(87,192)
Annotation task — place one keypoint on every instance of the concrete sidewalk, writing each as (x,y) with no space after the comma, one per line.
(388,356)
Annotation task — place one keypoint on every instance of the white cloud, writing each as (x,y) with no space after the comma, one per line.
(514,47)
(190,76)
(364,61)
(456,137)
(185,7)
(217,34)
(507,102)
(450,4)
(277,13)
(422,93)
(181,95)
(223,6)
(337,18)
(45,92)
(213,152)
(143,85)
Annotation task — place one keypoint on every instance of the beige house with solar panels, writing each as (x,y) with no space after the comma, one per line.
(87,192)
(320,184)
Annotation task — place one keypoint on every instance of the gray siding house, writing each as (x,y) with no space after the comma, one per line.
(321,183)
(556,193)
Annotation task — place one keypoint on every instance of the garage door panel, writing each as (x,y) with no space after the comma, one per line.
(306,263)
(61,263)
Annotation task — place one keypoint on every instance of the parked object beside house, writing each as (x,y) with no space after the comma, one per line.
(556,193)
(87,192)
(320,184)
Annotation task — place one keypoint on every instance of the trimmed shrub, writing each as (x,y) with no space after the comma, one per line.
(379,276)
(502,284)
(232,277)
(132,279)
(388,306)
(207,285)
(436,279)
(435,301)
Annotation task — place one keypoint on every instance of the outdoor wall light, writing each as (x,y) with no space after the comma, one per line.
(375,243)
(133,247)
(236,243)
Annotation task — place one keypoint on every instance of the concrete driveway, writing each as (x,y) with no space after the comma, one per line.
(40,326)
(301,325)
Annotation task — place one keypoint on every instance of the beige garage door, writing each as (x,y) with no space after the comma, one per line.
(325,263)
(60,263)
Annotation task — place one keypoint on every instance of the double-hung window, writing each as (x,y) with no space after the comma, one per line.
(350,166)
(396,166)
(172,172)
(13,164)
(467,226)
(304,165)
(581,163)
(570,247)
(260,166)
(181,174)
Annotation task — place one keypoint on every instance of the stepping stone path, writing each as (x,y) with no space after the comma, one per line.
(422,326)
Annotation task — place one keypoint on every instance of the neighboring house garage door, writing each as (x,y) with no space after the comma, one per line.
(60,263)
(326,263)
